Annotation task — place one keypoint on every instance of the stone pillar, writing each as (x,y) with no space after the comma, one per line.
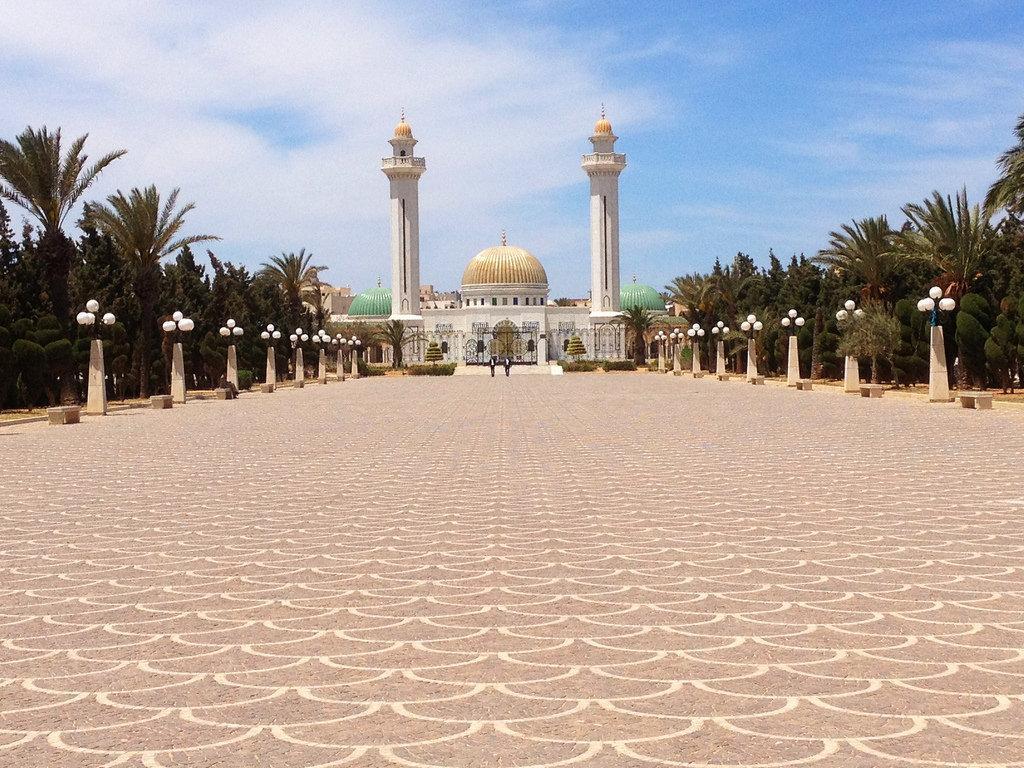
(542,350)
(677,366)
(178,374)
(232,366)
(851,375)
(322,368)
(96,400)
(696,357)
(355,364)
(271,368)
(938,374)
(339,365)
(300,365)
(751,358)
(720,358)
(793,362)
(661,356)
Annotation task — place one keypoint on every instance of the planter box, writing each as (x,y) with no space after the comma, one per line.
(979,401)
(161,402)
(872,390)
(804,385)
(67,414)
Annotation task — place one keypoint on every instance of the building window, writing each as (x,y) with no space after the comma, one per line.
(515,301)
(504,301)
(494,302)
(402,153)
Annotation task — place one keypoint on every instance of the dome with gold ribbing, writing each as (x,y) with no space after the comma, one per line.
(504,265)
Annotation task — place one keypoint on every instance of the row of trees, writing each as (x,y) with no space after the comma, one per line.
(974,253)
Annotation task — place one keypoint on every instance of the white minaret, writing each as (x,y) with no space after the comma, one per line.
(603,167)
(403,171)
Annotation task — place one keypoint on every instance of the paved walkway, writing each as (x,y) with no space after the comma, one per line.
(609,571)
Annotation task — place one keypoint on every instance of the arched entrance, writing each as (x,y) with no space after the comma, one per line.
(504,339)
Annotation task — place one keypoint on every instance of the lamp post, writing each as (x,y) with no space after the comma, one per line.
(339,365)
(270,335)
(938,374)
(792,321)
(751,326)
(660,337)
(676,341)
(297,340)
(696,333)
(178,324)
(719,330)
(354,344)
(851,366)
(96,393)
(231,331)
(322,340)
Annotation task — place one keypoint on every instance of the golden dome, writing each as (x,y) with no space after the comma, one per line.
(603,127)
(504,265)
(403,130)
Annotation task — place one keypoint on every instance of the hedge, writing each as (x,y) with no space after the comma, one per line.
(578,366)
(431,369)
(619,365)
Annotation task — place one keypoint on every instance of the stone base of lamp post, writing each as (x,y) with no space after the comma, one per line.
(793,362)
(300,368)
(722,376)
(751,361)
(355,366)
(759,380)
(804,385)
(271,378)
(339,366)
(661,360)
(720,360)
(96,400)
(698,374)
(938,374)
(851,375)
(322,367)
(232,376)
(178,374)
(696,369)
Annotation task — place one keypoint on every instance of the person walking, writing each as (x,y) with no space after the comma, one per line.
(508,365)
(494,364)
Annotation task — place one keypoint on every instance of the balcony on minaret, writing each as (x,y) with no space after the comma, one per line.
(402,163)
(604,158)
(406,164)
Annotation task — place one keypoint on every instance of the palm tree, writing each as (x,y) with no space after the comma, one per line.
(396,334)
(955,238)
(865,250)
(1008,190)
(297,278)
(695,293)
(639,324)
(726,287)
(145,233)
(47,184)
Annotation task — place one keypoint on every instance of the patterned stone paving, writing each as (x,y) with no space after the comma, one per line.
(599,571)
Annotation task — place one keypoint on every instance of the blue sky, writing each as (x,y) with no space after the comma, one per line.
(748,126)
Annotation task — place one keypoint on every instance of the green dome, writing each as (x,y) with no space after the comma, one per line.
(639,295)
(375,302)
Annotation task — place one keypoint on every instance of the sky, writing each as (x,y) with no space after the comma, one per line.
(748,126)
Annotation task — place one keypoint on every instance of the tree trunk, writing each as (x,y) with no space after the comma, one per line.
(874,369)
(57,253)
(146,291)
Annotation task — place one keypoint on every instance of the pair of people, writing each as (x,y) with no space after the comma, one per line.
(506,363)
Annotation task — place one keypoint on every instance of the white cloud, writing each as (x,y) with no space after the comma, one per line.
(502,117)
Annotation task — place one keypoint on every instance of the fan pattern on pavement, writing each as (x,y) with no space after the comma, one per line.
(596,571)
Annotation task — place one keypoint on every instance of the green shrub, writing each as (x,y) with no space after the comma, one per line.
(578,366)
(245,380)
(434,355)
(30,367)
(972,323)
(576,348)
(431,369)
(618,365)
(365,369)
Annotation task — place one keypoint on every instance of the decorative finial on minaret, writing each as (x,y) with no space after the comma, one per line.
(403,112)
(378,281)
(504,239)
(602,112)
(634,277)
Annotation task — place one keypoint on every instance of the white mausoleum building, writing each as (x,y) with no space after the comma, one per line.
(503,304)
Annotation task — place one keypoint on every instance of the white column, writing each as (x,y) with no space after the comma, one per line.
(322,366)
(355,364)
(720,358)
(751,358)
(271,368)
(661,356)
(300,366)
(851,375)
(232,376)
(339,365)
(96,398)
(793,362)
(677,353)
(603,167)
(695,367)
(403,171)
(938,374)
(178,374)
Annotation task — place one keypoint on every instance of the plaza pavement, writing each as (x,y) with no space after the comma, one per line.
(609,571)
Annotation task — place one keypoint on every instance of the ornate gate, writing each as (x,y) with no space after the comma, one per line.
(505,339)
